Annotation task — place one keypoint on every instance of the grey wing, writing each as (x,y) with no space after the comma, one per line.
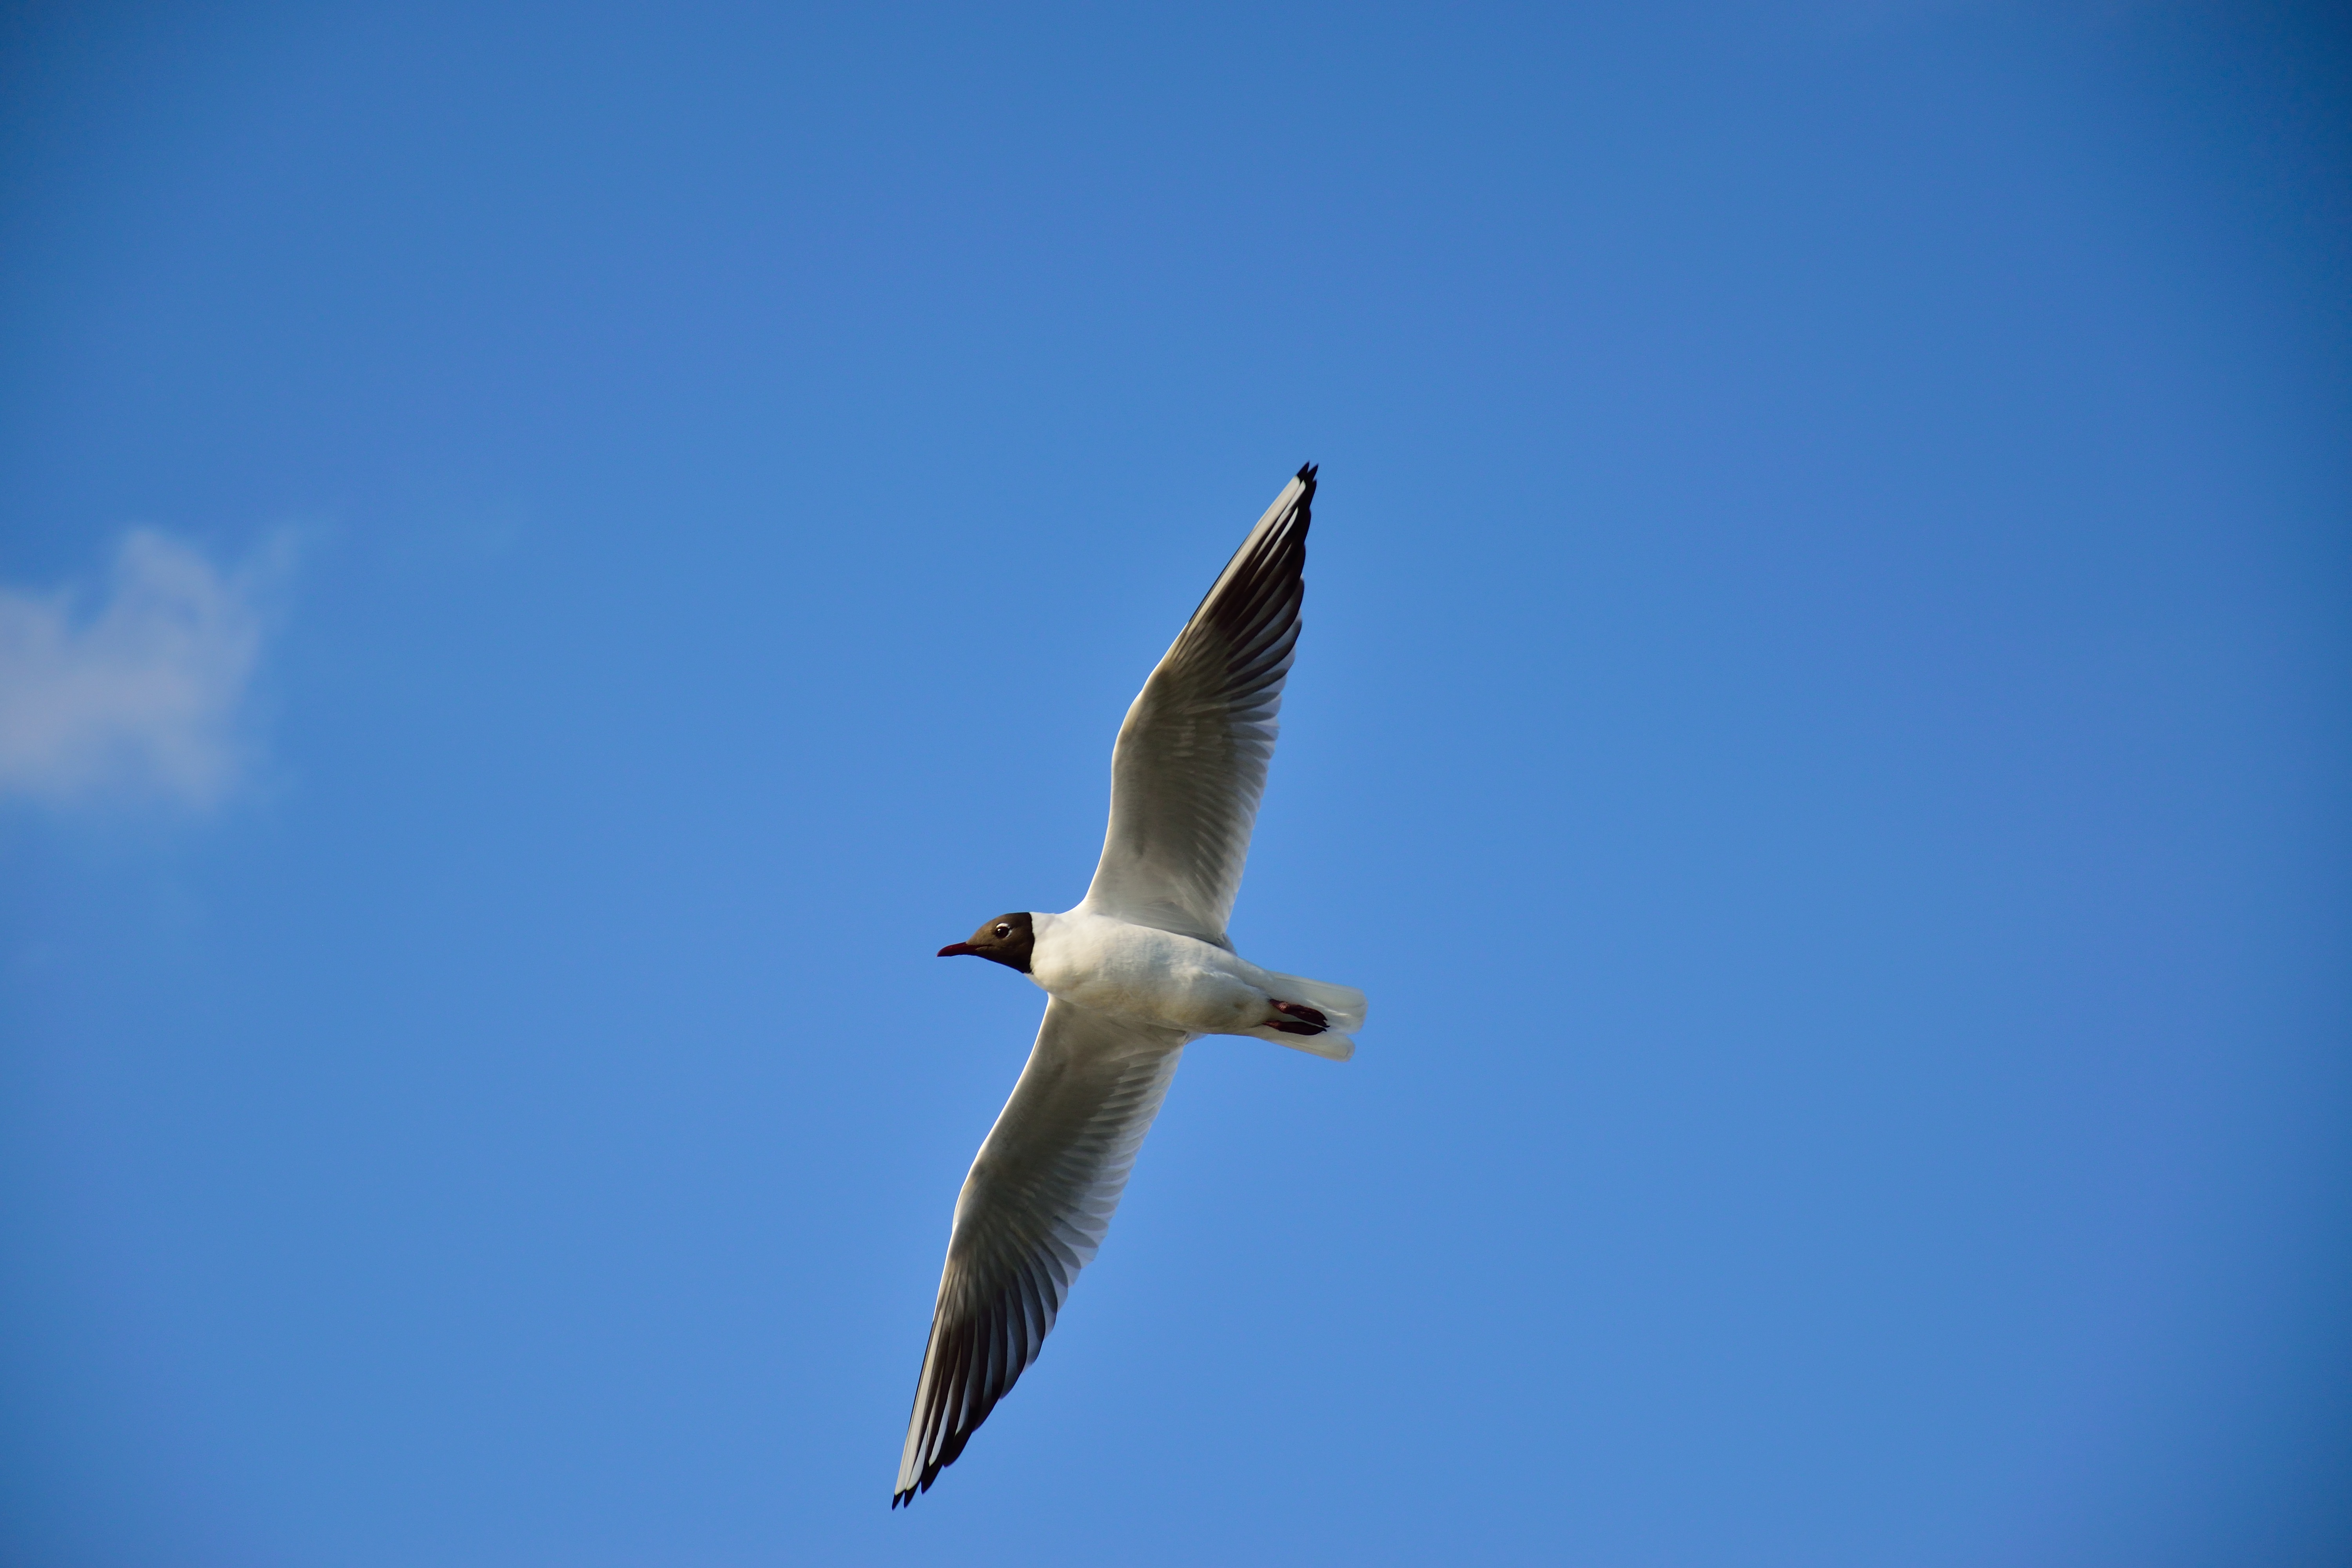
(1031,1215)
(1190,764)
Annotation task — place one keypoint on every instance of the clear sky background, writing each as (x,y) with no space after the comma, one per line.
(550,555)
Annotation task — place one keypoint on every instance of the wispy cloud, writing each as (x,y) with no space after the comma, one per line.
(143,696)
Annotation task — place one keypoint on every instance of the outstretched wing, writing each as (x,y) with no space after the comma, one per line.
(1190,761)
(1032,1213)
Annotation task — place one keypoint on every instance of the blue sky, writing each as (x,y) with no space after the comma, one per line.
(554,555)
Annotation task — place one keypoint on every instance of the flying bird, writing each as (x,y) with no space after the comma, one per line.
(1137,971)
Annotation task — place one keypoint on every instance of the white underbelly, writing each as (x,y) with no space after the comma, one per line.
(1152,976)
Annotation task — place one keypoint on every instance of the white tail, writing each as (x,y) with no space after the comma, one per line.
(1343,1006)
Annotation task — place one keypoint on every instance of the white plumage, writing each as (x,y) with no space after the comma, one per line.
(1147,976)
(1139,968)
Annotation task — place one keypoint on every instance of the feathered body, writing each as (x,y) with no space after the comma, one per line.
(1140,968)
(1151,976)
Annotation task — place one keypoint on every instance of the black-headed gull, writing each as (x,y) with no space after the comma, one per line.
(1140,968)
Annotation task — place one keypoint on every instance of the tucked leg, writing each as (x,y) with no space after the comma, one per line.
(1302,1019)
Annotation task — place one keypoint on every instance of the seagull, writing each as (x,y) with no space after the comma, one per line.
(1137,971)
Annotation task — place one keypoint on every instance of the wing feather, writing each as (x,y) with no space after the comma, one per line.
(1189,766)
(1031,1213)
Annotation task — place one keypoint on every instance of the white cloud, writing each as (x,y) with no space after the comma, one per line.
(143,698)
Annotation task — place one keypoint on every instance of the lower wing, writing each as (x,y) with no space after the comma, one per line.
(1031,1215)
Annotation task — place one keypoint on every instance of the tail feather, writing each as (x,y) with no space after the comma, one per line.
(1337,1048)
(1342,1008)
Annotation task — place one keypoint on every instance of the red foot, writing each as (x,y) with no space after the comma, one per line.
(1309,1021)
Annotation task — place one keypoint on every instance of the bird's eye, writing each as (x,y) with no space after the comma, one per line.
(1003,929)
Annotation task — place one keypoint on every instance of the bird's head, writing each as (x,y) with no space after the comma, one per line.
(1006,939)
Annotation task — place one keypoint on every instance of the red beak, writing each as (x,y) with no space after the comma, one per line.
(955,950)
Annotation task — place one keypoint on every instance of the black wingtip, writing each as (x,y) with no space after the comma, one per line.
(1306,473)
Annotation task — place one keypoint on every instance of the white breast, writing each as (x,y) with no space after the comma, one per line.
(1109,966)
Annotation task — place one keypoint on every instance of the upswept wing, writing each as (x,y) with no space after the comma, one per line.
(1031,1215)
(1190,764)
